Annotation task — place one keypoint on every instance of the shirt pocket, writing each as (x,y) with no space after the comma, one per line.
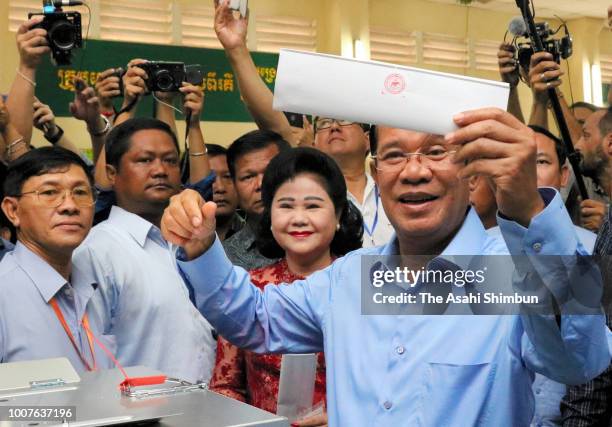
(457,391)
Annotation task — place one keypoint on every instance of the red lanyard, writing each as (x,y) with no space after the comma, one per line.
(85,322)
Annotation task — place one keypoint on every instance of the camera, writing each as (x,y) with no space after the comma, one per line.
(64,31)
(169,76)
(558,48)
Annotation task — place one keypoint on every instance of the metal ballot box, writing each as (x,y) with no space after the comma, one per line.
(96,400)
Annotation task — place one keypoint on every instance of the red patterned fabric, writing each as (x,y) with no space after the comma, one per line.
(254,378)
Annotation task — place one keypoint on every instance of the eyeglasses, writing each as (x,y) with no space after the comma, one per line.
(395,160)
(52,197)
(323,124)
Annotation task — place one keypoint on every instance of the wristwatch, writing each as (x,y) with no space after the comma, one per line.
(55,138)
(107,127)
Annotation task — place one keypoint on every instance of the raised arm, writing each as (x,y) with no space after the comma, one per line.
(509,73)
(86,107)
(279,319)
(44,120)
(231,32)
(534,223)
(32,46)
(193,102)
(134,88)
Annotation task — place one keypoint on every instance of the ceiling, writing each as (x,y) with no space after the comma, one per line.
(566,9)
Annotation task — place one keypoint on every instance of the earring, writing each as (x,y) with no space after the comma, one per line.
(338,227)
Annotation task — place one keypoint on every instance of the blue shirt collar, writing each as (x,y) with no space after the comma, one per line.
(136,226)
(46,279)
(469,240)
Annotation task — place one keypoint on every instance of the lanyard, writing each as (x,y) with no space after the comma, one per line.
(60,317)
(367,229)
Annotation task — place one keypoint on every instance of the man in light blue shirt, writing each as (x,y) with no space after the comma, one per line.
(143,299)
(414,370)
(49,199)
(552,171)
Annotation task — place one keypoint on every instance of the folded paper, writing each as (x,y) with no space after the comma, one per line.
(379,93)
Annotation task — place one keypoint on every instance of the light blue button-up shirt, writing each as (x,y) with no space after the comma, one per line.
(411,370)
(548,393)
(29,328)
(143,299)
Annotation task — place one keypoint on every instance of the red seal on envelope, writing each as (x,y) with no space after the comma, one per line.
(395,84)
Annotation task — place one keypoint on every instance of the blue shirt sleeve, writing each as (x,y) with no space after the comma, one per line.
(577,350)
(283,318)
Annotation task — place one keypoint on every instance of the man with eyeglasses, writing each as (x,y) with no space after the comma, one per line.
(144,301)
(348,144)
(416,370)
(45,299)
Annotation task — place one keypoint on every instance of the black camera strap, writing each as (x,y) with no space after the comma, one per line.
(572,155)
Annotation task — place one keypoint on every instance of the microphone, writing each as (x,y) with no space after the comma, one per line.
(518,27)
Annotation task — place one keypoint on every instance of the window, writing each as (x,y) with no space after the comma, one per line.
(395,47)
(275,32)
(448,51)
(197,26)
(606,68)
(145,21)
(484,54)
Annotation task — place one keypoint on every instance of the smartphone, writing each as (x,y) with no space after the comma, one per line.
(295,119)
(240,6)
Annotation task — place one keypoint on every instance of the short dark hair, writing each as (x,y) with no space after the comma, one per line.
(605,123)
(216,150)
(582,104)
(41,161)
(253,141)
(559,145)
(119,139)
(305,160)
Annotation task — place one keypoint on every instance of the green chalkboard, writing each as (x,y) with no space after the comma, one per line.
(222,103)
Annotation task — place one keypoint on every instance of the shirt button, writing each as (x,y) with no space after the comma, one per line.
(400,350)
(537,247)
(538,391)
(387,405)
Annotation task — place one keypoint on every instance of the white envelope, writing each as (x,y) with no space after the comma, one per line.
(379,93)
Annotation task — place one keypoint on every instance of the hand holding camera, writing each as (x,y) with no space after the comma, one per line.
(193,101)
(134,81)
(508,68)
(32,43)
(44,119)
(544,74)
(108,86)
(62,29)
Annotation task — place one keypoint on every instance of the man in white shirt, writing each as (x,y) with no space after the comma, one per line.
(144,300)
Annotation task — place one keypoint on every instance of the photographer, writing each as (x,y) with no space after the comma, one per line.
(193,102)
(32,46)
(44,120)
(108,86)
(509,73)
(545,73)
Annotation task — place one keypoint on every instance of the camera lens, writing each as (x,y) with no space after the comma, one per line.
(62,34)
(164,80)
